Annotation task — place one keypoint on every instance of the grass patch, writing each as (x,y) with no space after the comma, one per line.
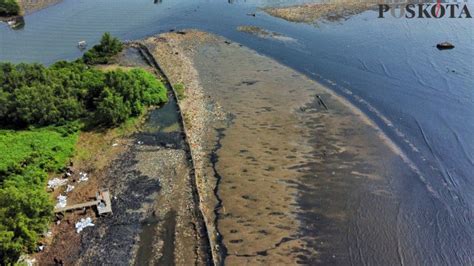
(94,149)
(49,148)
(179,88)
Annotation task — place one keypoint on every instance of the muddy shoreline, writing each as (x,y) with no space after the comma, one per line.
(281,162)
(258,164)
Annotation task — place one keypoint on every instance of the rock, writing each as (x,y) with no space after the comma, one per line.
(444,46)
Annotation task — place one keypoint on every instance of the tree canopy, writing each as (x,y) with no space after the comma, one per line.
(31,94)
(102,52)
(9,8)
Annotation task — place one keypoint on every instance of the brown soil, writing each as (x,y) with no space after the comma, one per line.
(94,152)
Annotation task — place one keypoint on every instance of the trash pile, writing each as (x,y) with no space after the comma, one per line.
(62,201)
(82,177)
(69,188)
(83,223)
(56,182)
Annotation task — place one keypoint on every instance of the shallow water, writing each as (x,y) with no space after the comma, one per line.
(290,153)
(422,98)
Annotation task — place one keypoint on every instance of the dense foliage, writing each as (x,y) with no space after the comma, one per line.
(49,101)
(25,208)
(31,94)
(101,53)
(9,8)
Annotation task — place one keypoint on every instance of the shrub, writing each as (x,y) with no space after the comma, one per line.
(101,53)
(25,208)
(32,94)
(179,88)
(112,109)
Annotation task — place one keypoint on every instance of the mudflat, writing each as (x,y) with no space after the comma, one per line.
(287,170)
(332,10)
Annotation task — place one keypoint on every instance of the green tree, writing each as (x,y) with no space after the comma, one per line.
(101,53)
(111,109)
(25,213)
(9,8)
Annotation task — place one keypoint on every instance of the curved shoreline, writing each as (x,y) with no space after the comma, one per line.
(178,52)
(149,57)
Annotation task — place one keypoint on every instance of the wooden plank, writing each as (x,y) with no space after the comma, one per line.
(77,206)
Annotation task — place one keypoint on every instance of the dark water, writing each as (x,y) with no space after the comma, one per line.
(422,98)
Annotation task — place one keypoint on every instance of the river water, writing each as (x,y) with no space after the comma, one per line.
(420,97)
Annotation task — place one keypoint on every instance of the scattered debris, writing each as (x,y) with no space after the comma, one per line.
(69,188)
(251,14)
(444,46)
(139,142)
(82,177)
(115,145)
(56,182)
(26,260)
(62,201)
(83,223)
(82,45)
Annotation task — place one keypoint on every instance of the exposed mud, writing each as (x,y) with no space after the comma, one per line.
(290,173)
(266,34)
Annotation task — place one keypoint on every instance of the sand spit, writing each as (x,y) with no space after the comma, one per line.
(199,113)
(311,13)
(285,168)
(30,6)
(266,34)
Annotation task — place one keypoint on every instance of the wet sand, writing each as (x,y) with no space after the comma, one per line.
(288,171)
(264,33)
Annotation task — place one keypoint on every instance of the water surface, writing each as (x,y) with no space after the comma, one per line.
(422,98)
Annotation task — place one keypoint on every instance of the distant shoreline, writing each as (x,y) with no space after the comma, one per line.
(30,8)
